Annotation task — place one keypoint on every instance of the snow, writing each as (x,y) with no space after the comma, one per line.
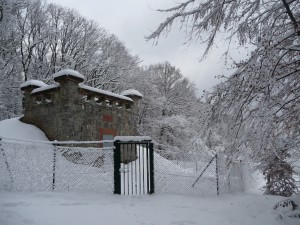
(33,83)
(132,92)
(92,208)
(132,138)
(44,88)
(83,86)
(15,129)
(68,72)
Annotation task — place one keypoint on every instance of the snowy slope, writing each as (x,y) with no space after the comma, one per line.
(15,129)
(28,166)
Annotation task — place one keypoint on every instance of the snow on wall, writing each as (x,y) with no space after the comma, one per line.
(33,83)
(68,72)
(131,92)
(44,88)
(83,86)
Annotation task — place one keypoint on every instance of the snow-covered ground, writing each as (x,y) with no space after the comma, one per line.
(91,208)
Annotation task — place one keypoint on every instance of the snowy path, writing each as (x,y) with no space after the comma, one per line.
(78,208)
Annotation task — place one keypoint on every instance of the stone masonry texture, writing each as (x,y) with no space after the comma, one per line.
(70,113)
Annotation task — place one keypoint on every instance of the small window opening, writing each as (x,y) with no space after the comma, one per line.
(109,102)
(119,104)
(127,106)
(48,97)
(39,99)
(98,100)
(87,98)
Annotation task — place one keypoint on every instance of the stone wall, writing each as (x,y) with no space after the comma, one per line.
(70,113)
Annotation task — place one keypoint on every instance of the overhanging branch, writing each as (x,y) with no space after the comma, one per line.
(290,14)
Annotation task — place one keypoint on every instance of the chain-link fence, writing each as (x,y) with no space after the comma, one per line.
(52,166)
(27,166)
(197,174)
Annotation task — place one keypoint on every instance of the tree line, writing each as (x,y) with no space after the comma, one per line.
(255,111)
(39,39)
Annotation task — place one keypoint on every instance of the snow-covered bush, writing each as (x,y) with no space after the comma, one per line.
(280,181)
(288,208)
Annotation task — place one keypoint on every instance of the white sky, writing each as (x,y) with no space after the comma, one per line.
(132,20)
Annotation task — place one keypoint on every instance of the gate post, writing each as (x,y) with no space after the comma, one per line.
(151,153)
(117,166)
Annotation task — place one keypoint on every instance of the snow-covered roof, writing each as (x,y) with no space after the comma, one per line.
(132,92)
(37,83)
(83,86)
(45,88)
(68,72)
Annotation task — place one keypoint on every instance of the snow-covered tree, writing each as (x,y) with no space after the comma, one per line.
(279,175)
(38,39)
(260,101)
(113,65)
(168,108)
(53,37)
(10,96)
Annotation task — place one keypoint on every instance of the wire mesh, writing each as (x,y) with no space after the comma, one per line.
(26,166)
(195,174)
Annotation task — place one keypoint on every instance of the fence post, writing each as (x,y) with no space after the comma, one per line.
(117,167)
(54,165)
(217,175)
(152,187)
(7,165)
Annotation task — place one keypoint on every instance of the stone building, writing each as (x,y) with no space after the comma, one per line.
(72,111)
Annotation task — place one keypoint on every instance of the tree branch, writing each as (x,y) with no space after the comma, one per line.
(290,14)
(1,13)
(282,107)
